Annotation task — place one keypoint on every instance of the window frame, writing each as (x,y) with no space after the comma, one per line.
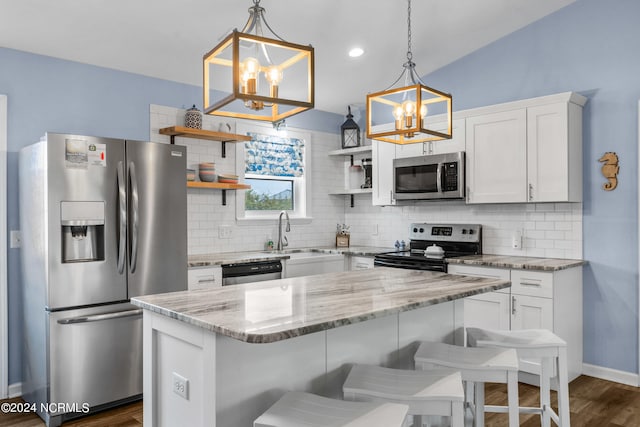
(301,185)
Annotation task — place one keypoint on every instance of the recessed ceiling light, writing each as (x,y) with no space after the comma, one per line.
(355,52)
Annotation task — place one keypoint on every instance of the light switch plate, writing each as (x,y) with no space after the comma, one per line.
(516,239)
(16,239)
(225,232)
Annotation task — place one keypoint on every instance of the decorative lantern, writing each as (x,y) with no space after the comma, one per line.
(350,132)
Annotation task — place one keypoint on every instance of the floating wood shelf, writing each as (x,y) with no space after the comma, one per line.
(210,135)
(351,151)
(217,185)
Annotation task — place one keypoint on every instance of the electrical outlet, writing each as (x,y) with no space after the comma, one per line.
(225,232)
(180,386)
(516,239)
(16,239)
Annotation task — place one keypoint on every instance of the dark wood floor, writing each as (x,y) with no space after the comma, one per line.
(594,403)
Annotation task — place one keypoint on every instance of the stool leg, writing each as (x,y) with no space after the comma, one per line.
(479,400)
(546,370)
(563,389)
(512,393)
(457,414)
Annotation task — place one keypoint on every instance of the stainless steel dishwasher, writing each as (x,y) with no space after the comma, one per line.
(247,272)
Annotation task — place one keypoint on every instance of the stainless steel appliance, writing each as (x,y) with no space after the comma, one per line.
(436,176)
(432,244)
(247,272)
(103,220)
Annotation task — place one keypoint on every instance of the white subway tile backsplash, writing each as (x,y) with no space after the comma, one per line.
(549,229)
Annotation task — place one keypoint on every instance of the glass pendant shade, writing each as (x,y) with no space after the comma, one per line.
(393,115)
(254,77)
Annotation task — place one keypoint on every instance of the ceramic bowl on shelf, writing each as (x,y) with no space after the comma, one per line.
(207,172)
(228,178)
(191,174)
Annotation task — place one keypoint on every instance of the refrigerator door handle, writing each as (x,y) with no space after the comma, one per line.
(98,317)
(122,212)
(135,217)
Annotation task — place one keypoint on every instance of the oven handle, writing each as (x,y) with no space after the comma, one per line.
(381,263)
(439,177)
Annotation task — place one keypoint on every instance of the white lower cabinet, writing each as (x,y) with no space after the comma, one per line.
(536,300)
(359,262)
(204,277)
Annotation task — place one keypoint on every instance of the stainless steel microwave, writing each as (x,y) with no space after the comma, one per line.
(437,176)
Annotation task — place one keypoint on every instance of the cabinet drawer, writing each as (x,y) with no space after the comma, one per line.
(360,263)
(533,283)
(493,273)
(206,277)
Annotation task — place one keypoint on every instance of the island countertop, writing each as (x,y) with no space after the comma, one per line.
(517,262)
(275,310)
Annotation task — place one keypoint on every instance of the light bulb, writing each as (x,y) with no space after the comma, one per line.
(409,109)
(423,111)
(398,113)
(274,77)
(250,68)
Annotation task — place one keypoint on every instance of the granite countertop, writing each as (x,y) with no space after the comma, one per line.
(275,310)
(517,262)
(207,260)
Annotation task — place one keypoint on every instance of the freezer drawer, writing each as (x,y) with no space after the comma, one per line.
(95,354)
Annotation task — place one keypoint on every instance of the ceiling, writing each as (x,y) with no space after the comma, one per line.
(167,38)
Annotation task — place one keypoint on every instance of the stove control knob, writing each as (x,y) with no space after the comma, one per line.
(415,229)
(470,231)
(422,230)
(464,231)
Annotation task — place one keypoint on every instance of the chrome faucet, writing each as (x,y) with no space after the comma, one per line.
(282,239)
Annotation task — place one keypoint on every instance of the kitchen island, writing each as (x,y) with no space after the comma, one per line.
(220,357)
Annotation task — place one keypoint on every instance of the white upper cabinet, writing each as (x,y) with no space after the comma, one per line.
(554,152)
(497,157)
(453,145)
(527,151)
(382,157)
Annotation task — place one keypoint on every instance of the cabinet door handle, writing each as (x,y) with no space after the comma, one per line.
(530,192)
(534,283)
(513,305)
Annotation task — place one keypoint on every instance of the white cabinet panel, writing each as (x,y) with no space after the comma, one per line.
(453,145)
(206,277)
(383,154)
(489,311)
(360,263)
(497,157)
(533,283)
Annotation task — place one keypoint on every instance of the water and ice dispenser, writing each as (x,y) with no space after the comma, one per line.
(82,227)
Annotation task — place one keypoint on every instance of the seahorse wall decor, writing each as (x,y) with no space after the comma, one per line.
(610,170)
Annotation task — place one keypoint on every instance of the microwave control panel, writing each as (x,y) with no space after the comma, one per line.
(450,176)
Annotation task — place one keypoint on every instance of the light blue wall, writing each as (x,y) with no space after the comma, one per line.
(51,95)
(591,47)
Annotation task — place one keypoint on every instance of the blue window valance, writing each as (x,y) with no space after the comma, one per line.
(274,155)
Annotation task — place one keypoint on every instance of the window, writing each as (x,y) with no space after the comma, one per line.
(276,165)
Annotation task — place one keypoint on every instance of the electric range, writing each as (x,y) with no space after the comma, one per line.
(454,239)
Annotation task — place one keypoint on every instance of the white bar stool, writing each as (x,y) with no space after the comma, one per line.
(296,409)
(477,366)
(434,392)
(539,344)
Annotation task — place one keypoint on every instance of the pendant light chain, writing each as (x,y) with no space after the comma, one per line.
(409,54)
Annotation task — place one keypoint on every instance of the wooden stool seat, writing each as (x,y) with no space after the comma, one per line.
(296,409)
(540,344)
(477,366)
(433,392)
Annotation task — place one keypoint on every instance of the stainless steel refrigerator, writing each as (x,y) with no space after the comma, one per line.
(102,220)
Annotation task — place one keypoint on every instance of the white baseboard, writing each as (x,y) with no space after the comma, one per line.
(622,377)
(15,390)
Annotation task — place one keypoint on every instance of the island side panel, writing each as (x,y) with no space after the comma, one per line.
(172,347)
(252,377)
(438,323)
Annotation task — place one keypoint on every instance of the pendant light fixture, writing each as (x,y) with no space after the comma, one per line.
(252,76)
(401,115)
